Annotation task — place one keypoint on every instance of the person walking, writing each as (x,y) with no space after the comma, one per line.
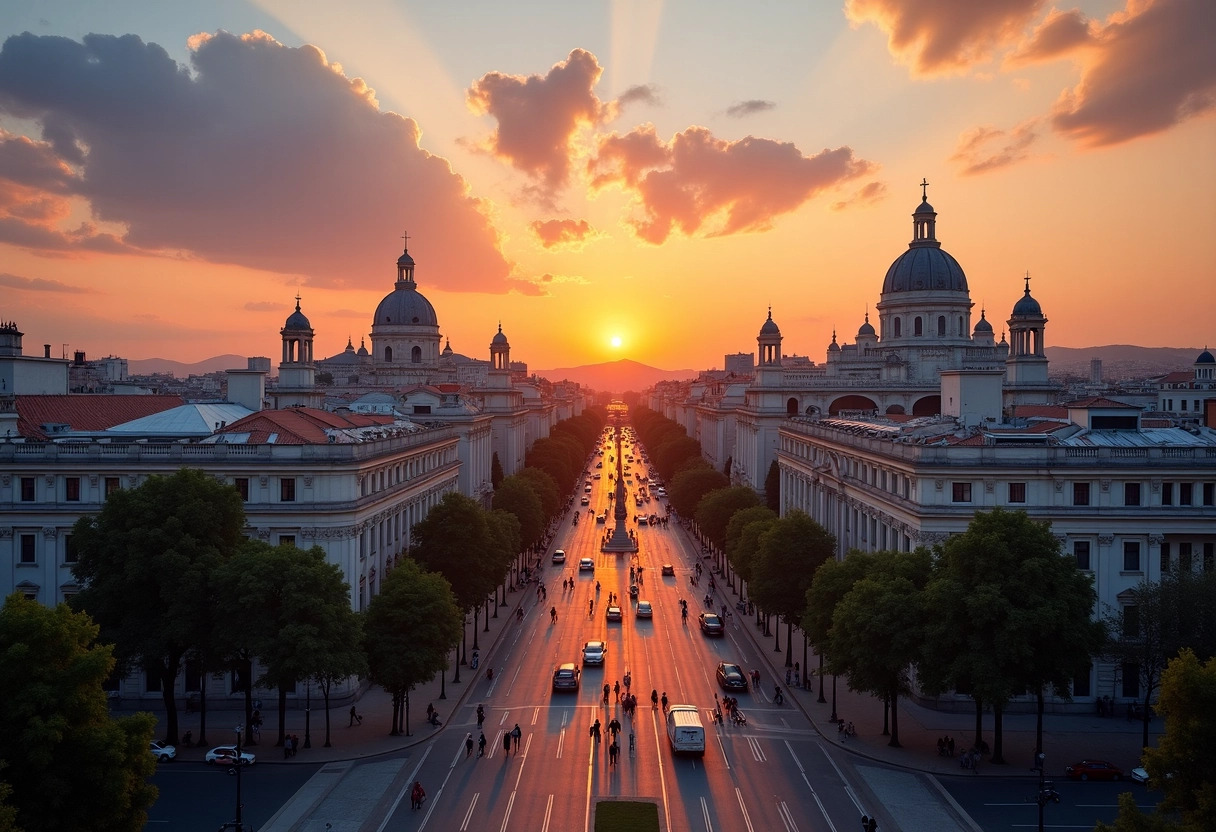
(481,746)
(468,745)
(516,734)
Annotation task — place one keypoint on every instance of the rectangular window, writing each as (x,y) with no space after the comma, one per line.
(1080,550)
(1131,556)
(1167,493)
(1131,493)
(1080,493)
(27,548)
(71,489)
(242,487)
(1017,492)
(287,490)
(111,485)
(27,489)
(962,492)
(1131,680)
(69,549)
(1184,493)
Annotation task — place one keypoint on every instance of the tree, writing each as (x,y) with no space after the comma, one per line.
(296,618)
(408,630)
(791,550)
(516,495)
(687,489)
(145,564)
(70,765)
(772,487)
(716,509)
(878,626)
(1164,618)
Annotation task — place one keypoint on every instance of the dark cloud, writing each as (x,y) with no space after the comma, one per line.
(869,193)
(984,149)
(1058,34)
(747,108)
(942,36)
(564,233)
(697,183)
(1152,68)
(38,284)
(264,156)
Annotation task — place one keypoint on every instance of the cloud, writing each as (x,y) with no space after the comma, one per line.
(984,149)
(1152,67)
(1058,34)
(259,155)
(938,37)
(870,193)
(640,94)
(571,234)
(38,284)
(698,183)
(750,107)
(538,116)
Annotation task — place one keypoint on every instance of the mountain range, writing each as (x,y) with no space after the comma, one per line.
(1119,361)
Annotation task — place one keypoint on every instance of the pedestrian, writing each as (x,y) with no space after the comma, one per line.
(516,734)
(506,744)
(481,715)
(481,745)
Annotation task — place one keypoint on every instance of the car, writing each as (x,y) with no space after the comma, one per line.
(711,624)
(559,555)
(225,755)
(593,652)
(613,613)
(731,676)
(644,610)
(566,676)
(162,751)
(586,565)
(668,569)
(586,501)
(1093,770)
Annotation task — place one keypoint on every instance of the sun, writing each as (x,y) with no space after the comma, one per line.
(616,342)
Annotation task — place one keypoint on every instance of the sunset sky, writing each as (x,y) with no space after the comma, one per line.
(609,180)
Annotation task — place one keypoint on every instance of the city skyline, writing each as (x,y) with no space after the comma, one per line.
(575,172)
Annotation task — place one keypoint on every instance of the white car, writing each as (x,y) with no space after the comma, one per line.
(586,565)
(593,652)
(225,755)
(162,751)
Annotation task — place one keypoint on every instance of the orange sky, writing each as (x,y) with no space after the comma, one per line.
(659,173)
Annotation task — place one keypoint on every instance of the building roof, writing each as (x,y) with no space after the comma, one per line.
(87,411)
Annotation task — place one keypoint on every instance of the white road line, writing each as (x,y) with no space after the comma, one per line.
(743,808)
(468,815)
(544,827)
(409,784)
(507,817)
(709,824)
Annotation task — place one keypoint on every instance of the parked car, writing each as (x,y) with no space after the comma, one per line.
(1093,770)
(225,755)
(731,676)
(613,613)
(711,624)
(644,610)
(586,565)
(566,676)
(593,652)
(162,751)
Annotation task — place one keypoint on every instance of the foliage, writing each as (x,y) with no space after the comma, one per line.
(145,565)
(715,510)
(545,488)
(70,765)
(791,549)
(878,626)
(496,475)
(1183,765)
(454,540)
(516,496)
(688,487)
(772,487)
(409,628)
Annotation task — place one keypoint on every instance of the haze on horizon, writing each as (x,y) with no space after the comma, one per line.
(173,174)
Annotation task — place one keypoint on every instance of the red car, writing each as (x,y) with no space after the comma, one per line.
(1093,770)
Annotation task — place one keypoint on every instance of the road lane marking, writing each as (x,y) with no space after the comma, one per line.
(507,817)
(408,785)
(743,808)
(709,824)
(787,817)
(468,815)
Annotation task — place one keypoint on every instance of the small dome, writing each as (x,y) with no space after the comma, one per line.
(1027,307)
(770,326)
(1205,357)
(982,324)
(296,320)
(499,339)
(866,329)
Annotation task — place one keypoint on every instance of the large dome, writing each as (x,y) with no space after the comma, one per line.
(405,306)
(922,268)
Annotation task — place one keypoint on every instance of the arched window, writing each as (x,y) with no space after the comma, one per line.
(416,355)
(388,355)
(941,325)
(918,326)
(899,329)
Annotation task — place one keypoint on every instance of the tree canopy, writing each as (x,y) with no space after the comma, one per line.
(69,764)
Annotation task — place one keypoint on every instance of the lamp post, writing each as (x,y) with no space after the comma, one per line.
(308,714)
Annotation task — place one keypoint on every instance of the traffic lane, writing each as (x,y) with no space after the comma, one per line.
(195,797)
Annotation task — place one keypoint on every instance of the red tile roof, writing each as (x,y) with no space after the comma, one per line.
(86,411)
(300,425)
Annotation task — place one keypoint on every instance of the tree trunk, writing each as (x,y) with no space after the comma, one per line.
(998,735)
(167,670)
(893,699)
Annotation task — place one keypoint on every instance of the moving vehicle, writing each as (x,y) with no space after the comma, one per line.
(731,676)
(644,610)
(593,652)
(225,755)
(684,729)
(559,555)
(566,676)
(1093,770)
(711,624)
(668,569)
(613,613)
(586,565)
(162,751)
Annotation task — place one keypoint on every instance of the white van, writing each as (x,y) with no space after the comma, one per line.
(684,729)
